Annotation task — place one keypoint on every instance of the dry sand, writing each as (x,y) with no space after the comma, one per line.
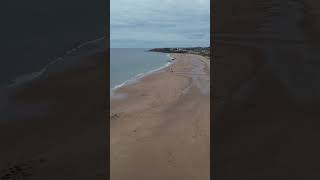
(160,128)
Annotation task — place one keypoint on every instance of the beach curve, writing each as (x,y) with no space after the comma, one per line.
(164,120)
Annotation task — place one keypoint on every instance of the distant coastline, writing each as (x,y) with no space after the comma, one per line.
(203,51)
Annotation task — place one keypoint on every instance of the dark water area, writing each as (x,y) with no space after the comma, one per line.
(35,32)
(52,42)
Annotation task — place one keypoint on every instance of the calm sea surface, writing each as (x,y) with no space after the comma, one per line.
(35,32)
(129,64)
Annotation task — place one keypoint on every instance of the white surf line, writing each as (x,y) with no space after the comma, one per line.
(31,76)
(92,41)
(139,77)
(170,56)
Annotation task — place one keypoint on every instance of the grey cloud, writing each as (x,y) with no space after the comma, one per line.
(146,23)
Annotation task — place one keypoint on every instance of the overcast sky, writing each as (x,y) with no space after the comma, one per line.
(159,23)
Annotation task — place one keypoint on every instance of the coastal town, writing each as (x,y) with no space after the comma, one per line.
(203,51)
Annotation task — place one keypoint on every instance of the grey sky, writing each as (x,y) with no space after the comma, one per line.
(159,23)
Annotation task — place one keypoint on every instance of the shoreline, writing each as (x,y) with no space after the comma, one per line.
(163,119)
(76,52)
(140,76)
(39,115)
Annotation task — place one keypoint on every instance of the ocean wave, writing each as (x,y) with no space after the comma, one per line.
(53,64)
(138,77)
(169,56)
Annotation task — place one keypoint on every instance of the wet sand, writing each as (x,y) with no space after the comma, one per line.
(266,118)
(160,127)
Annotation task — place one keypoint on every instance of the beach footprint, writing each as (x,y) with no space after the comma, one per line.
(16,172)
(115,116)
(22,170)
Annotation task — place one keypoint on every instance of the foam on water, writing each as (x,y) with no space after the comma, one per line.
(53,66)
(137,78)
(134,65)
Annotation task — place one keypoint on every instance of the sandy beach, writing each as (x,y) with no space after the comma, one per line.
(55,127)
(266,118)
(160,125)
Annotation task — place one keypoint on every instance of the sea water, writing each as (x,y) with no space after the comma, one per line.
(34,33)
(130,64)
